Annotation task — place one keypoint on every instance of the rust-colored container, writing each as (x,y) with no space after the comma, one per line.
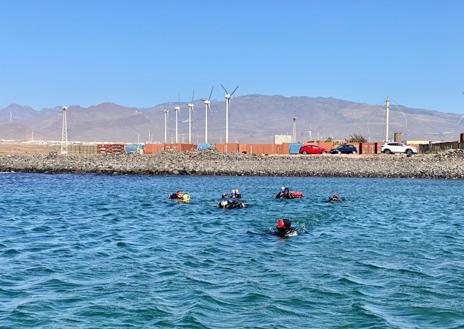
(231,148)
(255,148)
(187,147)
(153,148)
(243,148)
(269,149)
(172,147)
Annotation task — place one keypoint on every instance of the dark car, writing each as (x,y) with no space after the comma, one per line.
(344,149)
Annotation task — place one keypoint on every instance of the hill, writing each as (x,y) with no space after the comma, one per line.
(253,118)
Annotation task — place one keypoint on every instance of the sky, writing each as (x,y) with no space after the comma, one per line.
(142,53)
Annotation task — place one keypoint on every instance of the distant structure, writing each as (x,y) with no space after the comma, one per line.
(228,97)
(177,109)
(166,111)
(281,139)
(387,118)
(64,132)
(207,103)
(190,107)
(11,116)
(294,130)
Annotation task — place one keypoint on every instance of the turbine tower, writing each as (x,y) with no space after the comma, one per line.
(166,111)
(190,109)
(228,97)
(64,132)
(207,103)
(387,118)
(177,109)
(294,130)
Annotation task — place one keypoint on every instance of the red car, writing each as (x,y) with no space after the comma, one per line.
(312,149)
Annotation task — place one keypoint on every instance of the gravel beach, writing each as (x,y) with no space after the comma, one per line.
(448,165)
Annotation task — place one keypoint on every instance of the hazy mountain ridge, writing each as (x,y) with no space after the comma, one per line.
(253,118)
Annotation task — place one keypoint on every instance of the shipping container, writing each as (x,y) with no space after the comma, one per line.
(187,147)
(294,148)
(110,148)
(205,147)
(134,148)
(153,148)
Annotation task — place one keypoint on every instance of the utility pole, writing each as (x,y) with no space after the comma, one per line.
(294,130)
(64,132)
(166,126)
(177,109)
(387,117)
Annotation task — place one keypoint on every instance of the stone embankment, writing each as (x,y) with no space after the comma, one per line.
(448,165)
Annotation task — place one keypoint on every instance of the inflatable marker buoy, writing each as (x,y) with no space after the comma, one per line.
(296,194)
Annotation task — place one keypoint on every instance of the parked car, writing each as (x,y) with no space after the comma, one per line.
(389,148)
(344,149)
(312,149)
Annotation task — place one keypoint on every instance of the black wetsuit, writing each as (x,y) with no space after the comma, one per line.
(233,204)
(286,230)
(335,198)
(174,196)
(284,195)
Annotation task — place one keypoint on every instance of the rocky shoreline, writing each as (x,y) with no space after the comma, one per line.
(449,165)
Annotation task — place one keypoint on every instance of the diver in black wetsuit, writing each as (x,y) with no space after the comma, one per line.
(177,196)
(235,194)
(335,197)
(284,228)
(231,204)
(284,193)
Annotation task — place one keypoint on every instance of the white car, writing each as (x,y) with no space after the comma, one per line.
(389,148)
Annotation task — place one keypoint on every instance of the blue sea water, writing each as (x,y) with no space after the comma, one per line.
(89,251)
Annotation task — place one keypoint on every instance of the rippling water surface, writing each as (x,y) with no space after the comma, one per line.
(112,251)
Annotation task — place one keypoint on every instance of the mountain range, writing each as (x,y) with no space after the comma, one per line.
(253,118)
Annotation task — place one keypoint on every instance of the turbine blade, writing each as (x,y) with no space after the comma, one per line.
(224,88)
(234,91)
(211,93)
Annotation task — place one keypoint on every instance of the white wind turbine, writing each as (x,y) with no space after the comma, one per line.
(207,103)
(177,109)
(190,109)
(166,111)
(228,97)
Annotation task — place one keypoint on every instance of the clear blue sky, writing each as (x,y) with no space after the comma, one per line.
(141,53)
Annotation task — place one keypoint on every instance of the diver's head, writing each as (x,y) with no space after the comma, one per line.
(282,188)
(179,194)
(280,223)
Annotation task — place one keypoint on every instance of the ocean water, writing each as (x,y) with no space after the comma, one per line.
(89,251)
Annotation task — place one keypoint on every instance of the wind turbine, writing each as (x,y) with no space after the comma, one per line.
(207,103)
(166,111)
(177,109)
(190,109)
(228,97)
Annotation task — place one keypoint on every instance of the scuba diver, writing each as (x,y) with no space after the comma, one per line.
(284,228)
(285,193)
(177,196)
(234,194)
(180,196)
(231,204)
(336,198)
